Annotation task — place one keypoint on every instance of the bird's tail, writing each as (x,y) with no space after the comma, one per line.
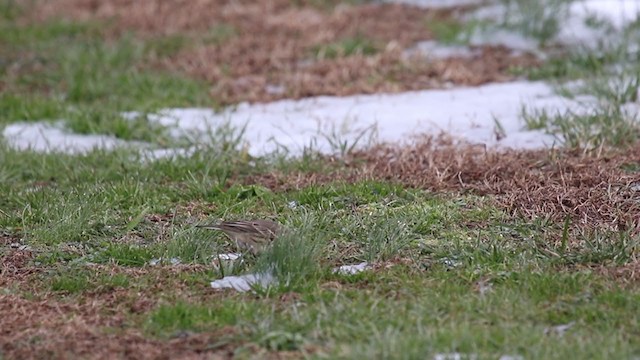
(210,226)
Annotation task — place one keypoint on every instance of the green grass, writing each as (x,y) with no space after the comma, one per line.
(598,128)
(431,251)
(219,34)
(70,283)
(452,31)
(88,201)
(608,80)
(540,20)
(64,70)
(358,45)
(77,280)
(605,67)
(407,314)
(452,273)
(426,304)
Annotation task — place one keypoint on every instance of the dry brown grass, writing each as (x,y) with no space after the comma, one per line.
(55,329)
(99,323)
(594,191)
(271,53)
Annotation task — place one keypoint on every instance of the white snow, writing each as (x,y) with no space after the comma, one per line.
(244,283)
(511,357)
(509,39)
(326,123)
(352,269)
(470,114)
(158,261)
(559,330)
(435,50)
(618,12)
(45,137)
(454,356)
(230,256)
(461,356)
(573,26)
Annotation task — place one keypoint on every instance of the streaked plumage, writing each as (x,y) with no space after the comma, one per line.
(253,235)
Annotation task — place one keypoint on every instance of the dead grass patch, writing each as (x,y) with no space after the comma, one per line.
(595,192)
(101,323)
(269,50)
(628,274)
(14,266)
(303,20)
(58,329)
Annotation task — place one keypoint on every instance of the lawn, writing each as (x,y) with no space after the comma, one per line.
(472,253)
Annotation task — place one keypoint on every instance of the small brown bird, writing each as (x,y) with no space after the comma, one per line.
(253,235)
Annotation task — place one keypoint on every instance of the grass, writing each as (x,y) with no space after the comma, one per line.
(608,80)
(450,272)
(358,45)
(433,250)
(63,70)
(596,129)
(451,31)
(540,19)
(82,280)
(405,315)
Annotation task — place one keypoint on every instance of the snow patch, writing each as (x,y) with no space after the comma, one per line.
(230,256)
(619,13)
(454,356)
(325,123)
(352,269)
(244,283)
(331,124)
(574,28)
(46,137)
(435,50)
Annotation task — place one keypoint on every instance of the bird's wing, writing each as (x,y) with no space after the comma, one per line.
(263,228)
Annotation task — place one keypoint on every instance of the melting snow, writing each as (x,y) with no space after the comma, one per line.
(559,330)
(230,256)
(244,283)
(574,29)
(619,12)
(44,137)
(323,123)
(54,138)
(454,356)
(435,50)
(326,123)
(352,269)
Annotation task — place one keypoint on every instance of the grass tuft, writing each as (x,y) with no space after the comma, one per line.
(295,258)
(358,45)
(538,19)
(605,126)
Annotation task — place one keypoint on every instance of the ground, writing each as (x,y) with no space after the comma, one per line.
(474,252)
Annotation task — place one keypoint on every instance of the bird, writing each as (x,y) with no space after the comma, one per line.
(253,235)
